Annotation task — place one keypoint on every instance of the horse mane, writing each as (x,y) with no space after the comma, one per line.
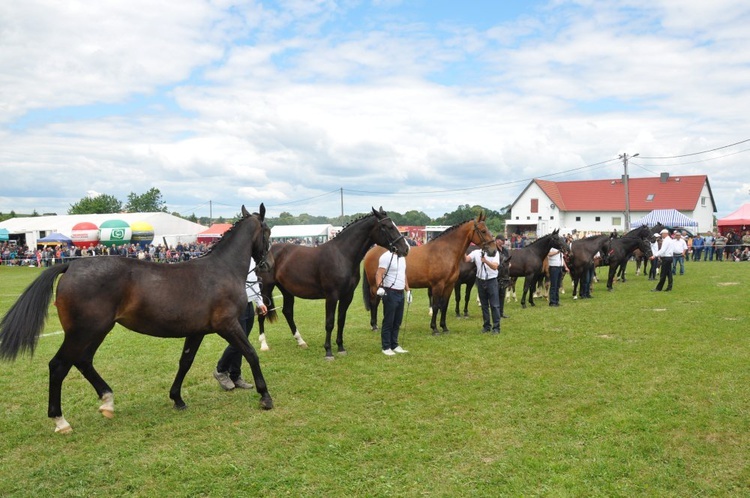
(227,235)
(355,221)
(449,229)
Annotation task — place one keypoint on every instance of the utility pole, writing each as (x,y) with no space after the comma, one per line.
(210,212)
(624,156)
(341,190)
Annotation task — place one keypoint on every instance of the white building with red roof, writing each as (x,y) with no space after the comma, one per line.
(599,205)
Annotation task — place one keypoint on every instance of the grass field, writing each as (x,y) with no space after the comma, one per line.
(631,393)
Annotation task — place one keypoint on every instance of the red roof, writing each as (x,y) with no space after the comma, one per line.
(646,194)
(215,230)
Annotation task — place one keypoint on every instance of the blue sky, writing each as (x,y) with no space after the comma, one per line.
(420,105)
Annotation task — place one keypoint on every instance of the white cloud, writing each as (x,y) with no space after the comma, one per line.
(287,102)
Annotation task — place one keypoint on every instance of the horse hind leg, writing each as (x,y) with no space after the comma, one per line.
(288,311)
(189,350)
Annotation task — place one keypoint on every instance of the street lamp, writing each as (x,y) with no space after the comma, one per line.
(624,157)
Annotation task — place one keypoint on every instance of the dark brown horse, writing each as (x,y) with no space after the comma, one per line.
(329,271)
(467,275)
(621,250)
(433,265)
(191,299)
(528,262)
(581,262)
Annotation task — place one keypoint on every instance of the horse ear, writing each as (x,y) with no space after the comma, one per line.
(262,211)
(245,214)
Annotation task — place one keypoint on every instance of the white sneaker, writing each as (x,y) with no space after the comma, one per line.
(399,349)
(389,352)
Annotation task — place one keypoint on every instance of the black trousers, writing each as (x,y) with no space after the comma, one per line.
(231,360)
(665,273)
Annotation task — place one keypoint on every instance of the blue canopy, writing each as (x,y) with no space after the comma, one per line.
(4,235)
(667,217)
(55,237)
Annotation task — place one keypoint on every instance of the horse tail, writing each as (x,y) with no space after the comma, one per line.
(366,293)
(22,324)
(271,316)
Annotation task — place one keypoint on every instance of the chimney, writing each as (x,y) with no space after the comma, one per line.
(664,177)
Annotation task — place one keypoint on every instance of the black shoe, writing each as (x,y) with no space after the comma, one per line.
(655,290)
(667,290)
(485,331)
(504,316)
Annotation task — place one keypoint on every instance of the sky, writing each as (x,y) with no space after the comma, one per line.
(319,106)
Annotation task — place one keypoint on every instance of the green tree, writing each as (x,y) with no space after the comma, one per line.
(149,202)
(101,204)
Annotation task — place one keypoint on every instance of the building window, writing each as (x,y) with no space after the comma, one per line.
(516,217)
(616,221)
(528,217)
(534,205)
(598,218)
(552,217)
(578,218)
(540,218)
(703,201)
(649,197)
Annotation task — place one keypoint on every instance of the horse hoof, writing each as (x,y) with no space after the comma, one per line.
(446,331)
(266,403)
(265,347)
(435,332)
(330,358)
(180,407)
(302,345)
(342,352)
(110,414)
(374,328)
(63,430)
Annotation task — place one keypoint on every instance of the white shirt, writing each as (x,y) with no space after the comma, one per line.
(484,272)
(680,246)
(668,248)
(252,289)
(395,270)
(556,258)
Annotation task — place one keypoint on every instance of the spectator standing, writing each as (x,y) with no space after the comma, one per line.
(665,253)
(556,266)
(680,249)
(708,247)
(697,247)
(720,244)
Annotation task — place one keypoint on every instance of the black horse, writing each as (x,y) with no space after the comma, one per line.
(581,262)
(528,262)
(621,249)
(467,275)
(329,271)
(95,293)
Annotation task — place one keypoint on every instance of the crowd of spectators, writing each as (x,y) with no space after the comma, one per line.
(14,255)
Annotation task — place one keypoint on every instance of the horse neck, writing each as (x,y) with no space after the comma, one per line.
(355,240)
(630,243)
(235,249)
(463,232)
(542,246)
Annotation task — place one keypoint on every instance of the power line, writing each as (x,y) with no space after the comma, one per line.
(697,153)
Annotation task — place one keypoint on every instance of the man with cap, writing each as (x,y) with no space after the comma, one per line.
(503,276)
(680,249)
(665,252)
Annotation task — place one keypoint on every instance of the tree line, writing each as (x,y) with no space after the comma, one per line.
(152,201)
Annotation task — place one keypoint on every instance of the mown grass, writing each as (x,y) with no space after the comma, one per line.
(631,393)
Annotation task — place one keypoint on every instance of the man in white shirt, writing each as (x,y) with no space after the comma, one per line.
(665,253)
(487,288)
(392,283)
(680,249)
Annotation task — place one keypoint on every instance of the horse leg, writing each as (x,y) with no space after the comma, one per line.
(457,290)
(190,348)
(467,296)
(344,303)
(235,336)
(330,314)
(374,303)
(288,311)
(262,333)
(611,277)
(435,309)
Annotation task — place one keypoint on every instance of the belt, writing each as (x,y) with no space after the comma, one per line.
(394,289)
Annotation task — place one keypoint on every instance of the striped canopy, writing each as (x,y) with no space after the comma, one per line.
(667,217)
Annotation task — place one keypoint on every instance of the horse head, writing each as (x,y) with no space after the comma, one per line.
(388,235)
(559,242)
(261,244)
(645,247)
(481,235)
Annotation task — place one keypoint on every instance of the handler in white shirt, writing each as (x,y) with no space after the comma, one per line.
(666,252)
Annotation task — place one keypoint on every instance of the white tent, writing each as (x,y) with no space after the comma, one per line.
(667,217)
(166,226)
(302,231)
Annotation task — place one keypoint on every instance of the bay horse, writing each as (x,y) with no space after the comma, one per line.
(528,262)
(190,299)
(621,249)
(329,271)
(433,265)
(581,261)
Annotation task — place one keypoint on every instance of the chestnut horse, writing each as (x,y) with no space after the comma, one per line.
(433,265)
(201,296)
(329,271)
